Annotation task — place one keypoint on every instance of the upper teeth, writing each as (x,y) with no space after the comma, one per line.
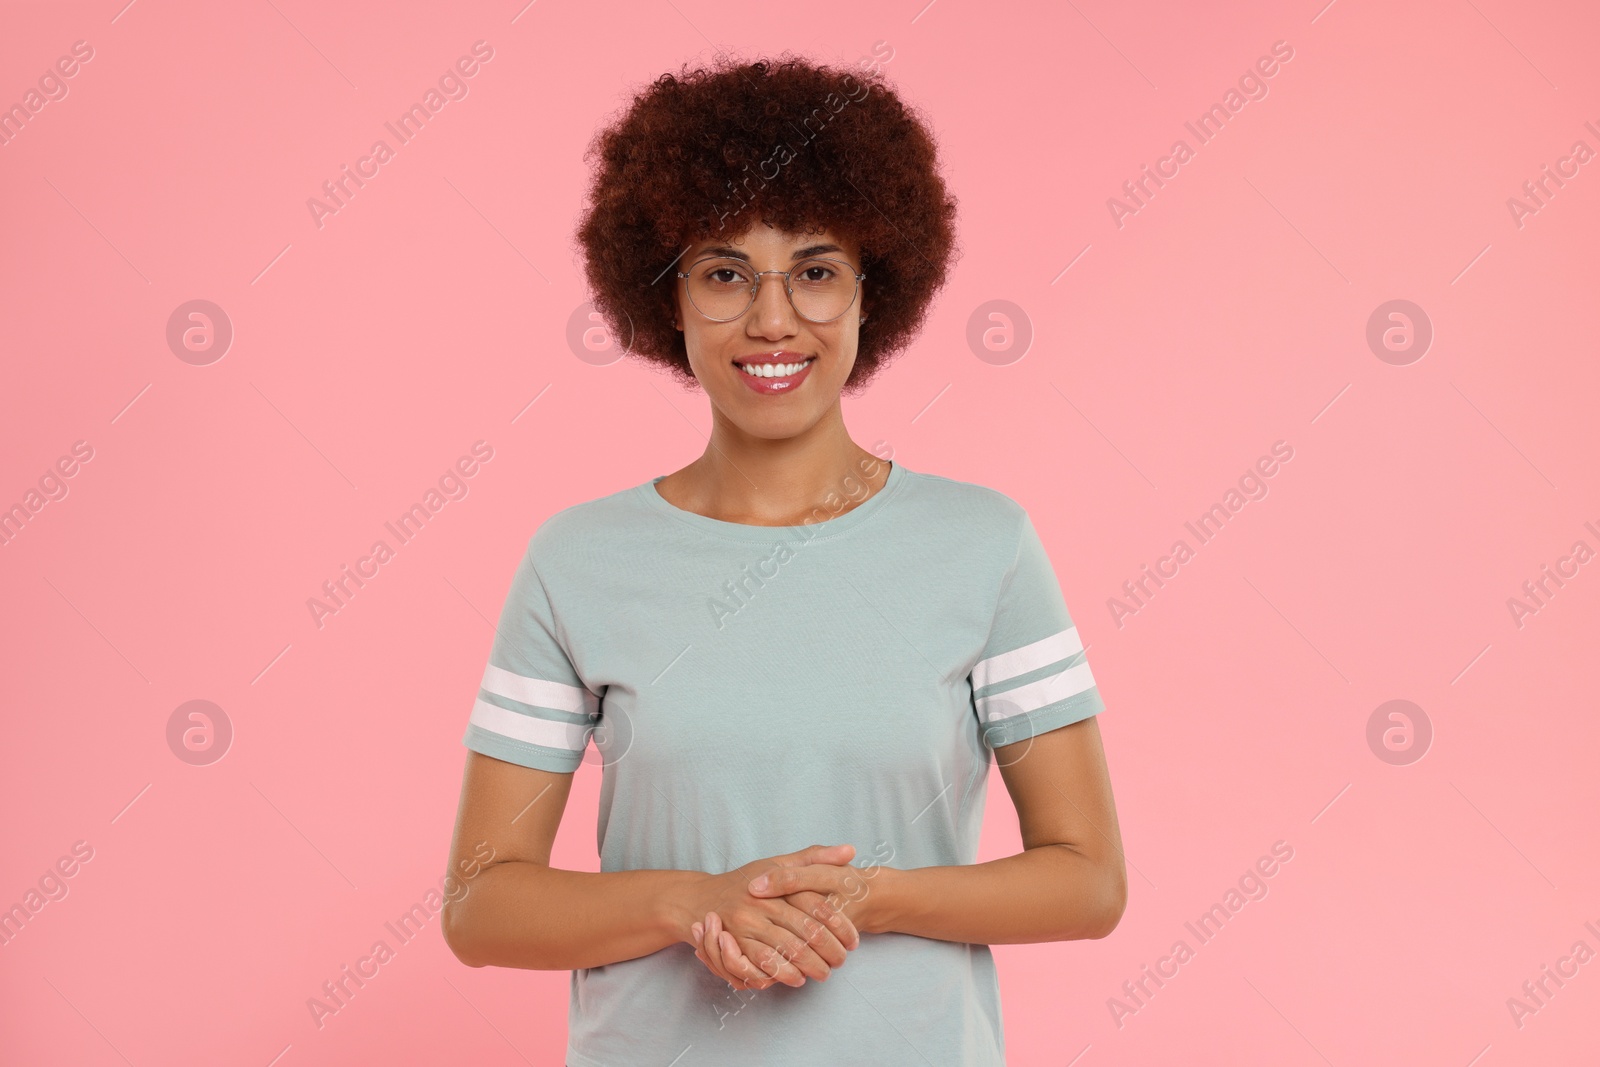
(773,370)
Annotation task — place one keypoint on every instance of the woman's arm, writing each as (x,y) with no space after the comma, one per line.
(507,907)
(1069,882)
(515,910)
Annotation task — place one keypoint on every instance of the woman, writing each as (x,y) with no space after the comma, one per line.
(792,653)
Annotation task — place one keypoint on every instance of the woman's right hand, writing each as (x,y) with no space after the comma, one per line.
(784,939)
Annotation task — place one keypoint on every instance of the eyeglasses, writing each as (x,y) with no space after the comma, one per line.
(820,290)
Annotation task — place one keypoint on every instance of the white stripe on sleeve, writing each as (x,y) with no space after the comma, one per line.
(536,691)
(530,728)
(1057,646)
(1025,698)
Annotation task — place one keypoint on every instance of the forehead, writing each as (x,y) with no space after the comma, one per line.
(764,242)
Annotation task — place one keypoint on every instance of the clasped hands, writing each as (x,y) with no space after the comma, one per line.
(780,919)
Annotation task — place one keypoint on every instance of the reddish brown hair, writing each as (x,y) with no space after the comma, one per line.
(711,151)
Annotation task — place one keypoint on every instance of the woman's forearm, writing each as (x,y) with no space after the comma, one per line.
(521,914)
(1046,893)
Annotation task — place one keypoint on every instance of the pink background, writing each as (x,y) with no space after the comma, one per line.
(1230,312)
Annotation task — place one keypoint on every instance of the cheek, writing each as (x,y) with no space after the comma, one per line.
(699,344)
(845,348)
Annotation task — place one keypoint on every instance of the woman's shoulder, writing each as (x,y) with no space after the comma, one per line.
(585,523)
(968,501)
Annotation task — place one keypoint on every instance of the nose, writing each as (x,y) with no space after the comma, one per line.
(772,316)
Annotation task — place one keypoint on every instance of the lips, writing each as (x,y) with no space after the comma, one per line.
(775,372)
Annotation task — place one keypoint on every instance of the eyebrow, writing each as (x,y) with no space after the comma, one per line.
(725,252)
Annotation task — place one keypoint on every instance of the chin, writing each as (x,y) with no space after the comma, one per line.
(777,426)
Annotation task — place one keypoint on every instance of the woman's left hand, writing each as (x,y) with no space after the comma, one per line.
(731,962)
(846,888)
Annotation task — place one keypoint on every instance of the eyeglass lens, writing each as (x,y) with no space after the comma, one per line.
(819,289)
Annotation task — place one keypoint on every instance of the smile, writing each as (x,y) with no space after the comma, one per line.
(775,370)
(771,378)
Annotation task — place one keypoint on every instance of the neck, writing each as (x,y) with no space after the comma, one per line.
(776,482)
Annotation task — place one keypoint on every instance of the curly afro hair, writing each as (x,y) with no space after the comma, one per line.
(709,152)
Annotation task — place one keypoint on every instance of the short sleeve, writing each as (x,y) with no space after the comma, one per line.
(532,708)
(1033,675)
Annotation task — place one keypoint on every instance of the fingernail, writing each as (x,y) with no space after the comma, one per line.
(759,884)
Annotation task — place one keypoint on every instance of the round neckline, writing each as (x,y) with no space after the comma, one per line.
(741,531)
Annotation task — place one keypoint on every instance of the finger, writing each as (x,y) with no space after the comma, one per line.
(769,960)
(736,965)
(812,854)
(708,940)
(697,937)
(741,964)
(713,948)
(842,931)
(842,853)
(814,933)
(841,924)
(777,936)
(781,881)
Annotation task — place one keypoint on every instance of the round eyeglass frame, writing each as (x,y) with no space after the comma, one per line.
(755,287)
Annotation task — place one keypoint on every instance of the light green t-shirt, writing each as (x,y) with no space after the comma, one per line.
(752,690)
